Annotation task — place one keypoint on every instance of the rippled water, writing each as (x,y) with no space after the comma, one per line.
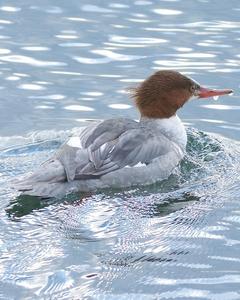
(65,63)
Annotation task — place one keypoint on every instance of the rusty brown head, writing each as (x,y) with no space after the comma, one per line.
(164,92)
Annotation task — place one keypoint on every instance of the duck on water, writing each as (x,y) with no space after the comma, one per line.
(122,152)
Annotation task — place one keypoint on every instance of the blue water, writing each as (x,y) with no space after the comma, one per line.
(64,64)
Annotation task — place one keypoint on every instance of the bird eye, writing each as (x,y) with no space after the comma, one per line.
(193,88)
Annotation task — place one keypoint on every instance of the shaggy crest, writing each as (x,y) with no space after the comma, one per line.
(162,94)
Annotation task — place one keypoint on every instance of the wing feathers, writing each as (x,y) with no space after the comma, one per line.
(104,132)
(115,144)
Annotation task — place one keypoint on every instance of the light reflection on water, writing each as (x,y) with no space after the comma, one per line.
(172,239)
(65,64)
(76,51)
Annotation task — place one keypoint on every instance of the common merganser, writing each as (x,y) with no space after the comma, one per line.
(122,152)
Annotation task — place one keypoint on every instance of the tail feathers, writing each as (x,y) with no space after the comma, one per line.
(57,189)
(41,189)
(44,182)
(50,171)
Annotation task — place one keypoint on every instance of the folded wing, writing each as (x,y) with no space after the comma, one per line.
(112,145)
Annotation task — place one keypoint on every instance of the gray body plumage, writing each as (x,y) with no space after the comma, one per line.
(112,153)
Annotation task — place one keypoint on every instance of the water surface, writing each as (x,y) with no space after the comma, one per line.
(64,64)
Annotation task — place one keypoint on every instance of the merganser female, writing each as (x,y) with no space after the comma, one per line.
(122,152)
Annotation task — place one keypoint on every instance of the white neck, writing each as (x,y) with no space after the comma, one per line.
(171,127)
